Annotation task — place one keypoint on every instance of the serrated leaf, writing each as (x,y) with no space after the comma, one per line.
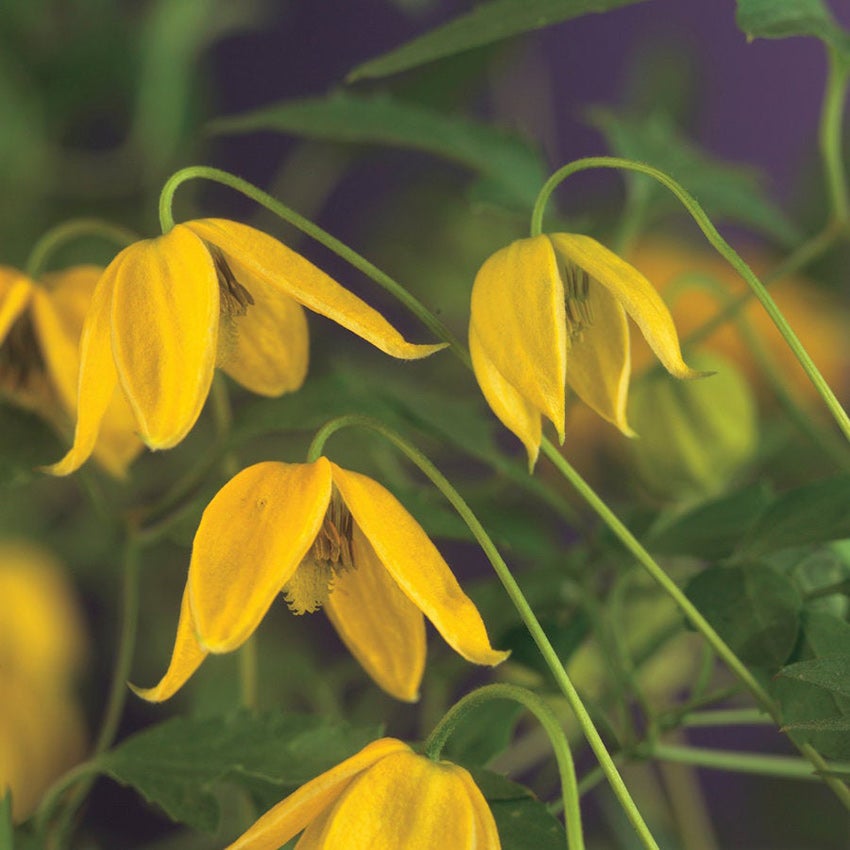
(785,18)
(383,120)
(830,672)
(814,513)
(726,191)
(178,763)
(754,608)
(485,24)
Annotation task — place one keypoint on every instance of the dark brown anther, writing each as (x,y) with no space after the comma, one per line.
(235,298)
(21,361)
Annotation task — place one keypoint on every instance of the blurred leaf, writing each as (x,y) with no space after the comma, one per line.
(566,631)
(387,121)
(7,838)
(755,609)
(713,529)
(25,444)
(814,513)
(482,735)
(830,672)
(785,18)
(177,763)
(485,24)
(726,191)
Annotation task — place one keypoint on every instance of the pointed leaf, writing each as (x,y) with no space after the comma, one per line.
(830,672)
(785,18)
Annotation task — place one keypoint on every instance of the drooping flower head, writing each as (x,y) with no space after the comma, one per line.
(327,538)
(386,797)
(550,311)
(40,327)
(210,292)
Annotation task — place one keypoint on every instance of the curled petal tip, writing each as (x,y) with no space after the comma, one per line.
(417,352)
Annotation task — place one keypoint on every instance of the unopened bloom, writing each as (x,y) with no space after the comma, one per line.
(324,537)
(210,292)
(386,796)
(550,311)
(40,327)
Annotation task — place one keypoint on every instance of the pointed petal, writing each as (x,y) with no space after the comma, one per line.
(165,314)
(381,627)
(15,293)
(636,294)
(514,412)
(413,561)
(294,814)
(517,313)
(97,381)
(251,539)
(405,800)
(290,273)
(599,363)
(185,659)
(267,349)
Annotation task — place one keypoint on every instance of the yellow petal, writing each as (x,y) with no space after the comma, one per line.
(185,658)
(294,814)
(97,381)
(599,363)
(413,561)
(517,313)
(487,834)
(288,272)
(165,313)
(381,627)
(251,539)
(514,412)
(636,294)
(15,292)
(266,349)
(405,800)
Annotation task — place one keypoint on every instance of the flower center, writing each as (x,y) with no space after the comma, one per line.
(234,298)
(330,555)
(21,363)
(577,301)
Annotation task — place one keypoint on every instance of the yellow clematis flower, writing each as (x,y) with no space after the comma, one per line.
(210,292)
(324,537)
(40,327)
(550,311)
(386,797)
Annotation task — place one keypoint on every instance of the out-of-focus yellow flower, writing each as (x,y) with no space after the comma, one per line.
(386,797)
(42,648)
(550,311)
(210,292)
(325,537)
(40,328)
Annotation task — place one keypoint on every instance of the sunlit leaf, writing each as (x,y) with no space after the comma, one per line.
(785,18)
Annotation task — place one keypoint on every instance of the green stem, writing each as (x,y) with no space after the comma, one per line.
(53,795)
(721,246)
(516,595)
(830,134)
(727,717)
(560,746)
(74,229)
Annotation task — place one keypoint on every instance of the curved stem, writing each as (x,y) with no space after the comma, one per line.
(721,246)
(74,229)
(50,800)
(830,134)
(516,595)
(560,746)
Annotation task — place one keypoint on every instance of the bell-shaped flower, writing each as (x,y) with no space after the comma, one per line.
(208,293)
(40,327)
(324,537)
(386,796)
(550,311)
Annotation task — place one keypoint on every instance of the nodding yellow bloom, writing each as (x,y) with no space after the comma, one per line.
(209,293)
(386,797)
(40,327)
(550,311)
(324,537)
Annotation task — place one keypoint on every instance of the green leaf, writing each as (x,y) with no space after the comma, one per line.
(178,763)
(382,120)
(785,18)
(830,672)
(832,724)
(485,24)
(725,190)
(713,529)
(25,444)
(755,609)
(814,513)
(7,837)
(482,735)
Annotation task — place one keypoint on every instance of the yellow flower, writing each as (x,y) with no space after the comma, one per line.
(386,797)
(550,311)
(210,292)
(325,537)
(40,328)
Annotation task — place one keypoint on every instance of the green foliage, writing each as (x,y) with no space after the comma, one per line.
(482,735)
(25,443)
(7,838)
(831,672)
(489,22)
(178,763)
(383,120)
(786,18)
